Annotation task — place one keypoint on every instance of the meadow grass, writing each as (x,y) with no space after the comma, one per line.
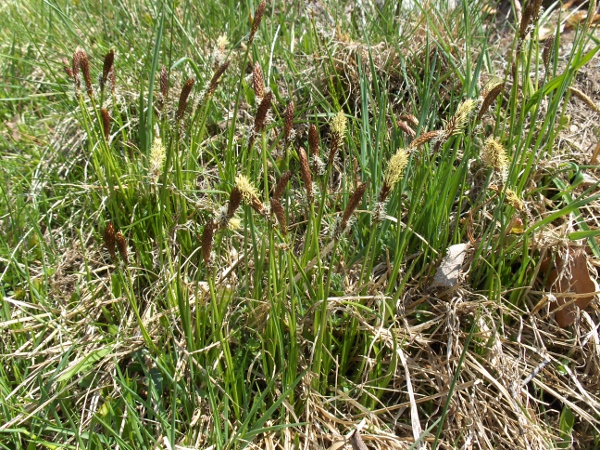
(224,224)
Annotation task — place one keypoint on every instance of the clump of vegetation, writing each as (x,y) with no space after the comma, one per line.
(273,233)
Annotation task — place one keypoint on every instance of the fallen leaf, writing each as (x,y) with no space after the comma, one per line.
(449,270)
(570,275)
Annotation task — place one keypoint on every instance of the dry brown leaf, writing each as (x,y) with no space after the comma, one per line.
(570,275)
(449,270)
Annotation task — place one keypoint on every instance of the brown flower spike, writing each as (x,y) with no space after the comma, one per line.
(280,186)
(353,203)
(289,122)
(75,68)
(105,123)
(84,65)
(258,82)
(109,60)
(164,82)
(214,82)
(183,98)
(305,173)
(235,199)
(279,213)
(122,246)
(110,241)
(207,242)
(260,11)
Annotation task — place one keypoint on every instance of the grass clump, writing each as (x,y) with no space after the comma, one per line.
(178,271)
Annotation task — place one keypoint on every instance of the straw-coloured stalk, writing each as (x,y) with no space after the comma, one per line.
(338,130)
(288,123)
(214,82)
(107,67)
(490,92)
(249,193)
(84,65)
(281,184)
(122,246)
(260,11)
(183,98)
(110,240)
(279,213)
(305,173)
(353,203)
(583,97)
(105,123)
(394,172)
(207,243)
(493,155)
(258,83)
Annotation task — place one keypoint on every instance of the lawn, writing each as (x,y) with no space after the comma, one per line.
(312,225)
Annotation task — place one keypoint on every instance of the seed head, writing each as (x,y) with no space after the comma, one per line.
(305,173)
(157,158)
(105,123)
(458,121)
(249,193)
(547,52)
(425,137)
(404,127)
(183,98)
(164,83)
(260,11)
(67,67)
(313,140)
(338,124)
(338,130)
(394,172)
(258,82)
(280,186)
(493,155)
(110,241)
(289,122)
(490,92)
(122,246)
(75,68)
(261,114)
(235,199)
(214,82)
(207,242)
(279,213)
(409,118)
(512,198)
(353,203)
(84,65)
(222,42)
(109,60)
